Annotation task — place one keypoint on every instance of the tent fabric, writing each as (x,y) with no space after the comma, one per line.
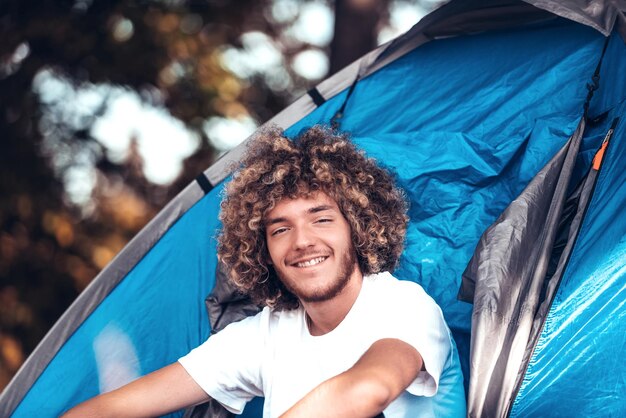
(579,355)
(452,19)
(102,285)
(466,122)
(152,317)
(505,268)
(496,376)
(504,281)
(225,304)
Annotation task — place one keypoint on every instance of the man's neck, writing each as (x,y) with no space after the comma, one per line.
(323,317)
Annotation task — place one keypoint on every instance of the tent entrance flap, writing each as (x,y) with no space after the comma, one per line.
(504,280)
(583,336)
(515,272)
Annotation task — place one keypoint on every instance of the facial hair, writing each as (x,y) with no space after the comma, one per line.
(346,269)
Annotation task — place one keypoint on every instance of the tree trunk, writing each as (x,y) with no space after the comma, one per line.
(356,30)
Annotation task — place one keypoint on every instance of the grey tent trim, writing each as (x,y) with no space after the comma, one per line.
(587,12)
(452,19)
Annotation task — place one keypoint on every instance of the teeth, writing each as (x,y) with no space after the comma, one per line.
(311,262)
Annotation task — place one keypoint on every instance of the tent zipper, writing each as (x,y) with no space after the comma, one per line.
(599,157)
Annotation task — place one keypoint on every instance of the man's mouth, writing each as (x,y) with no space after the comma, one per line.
(311,262)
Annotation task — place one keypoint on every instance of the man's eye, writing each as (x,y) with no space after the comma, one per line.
(278,231)
(324,220)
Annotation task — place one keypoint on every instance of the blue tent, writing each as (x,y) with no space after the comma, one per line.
(505,122)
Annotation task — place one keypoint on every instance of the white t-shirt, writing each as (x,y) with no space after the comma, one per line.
(273,354)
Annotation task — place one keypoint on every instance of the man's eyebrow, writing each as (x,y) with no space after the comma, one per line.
(319,208)
(275,221)
(314,209)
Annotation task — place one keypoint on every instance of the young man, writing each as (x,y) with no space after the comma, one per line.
(311,229)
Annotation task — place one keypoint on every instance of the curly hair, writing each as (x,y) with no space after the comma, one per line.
(275,168)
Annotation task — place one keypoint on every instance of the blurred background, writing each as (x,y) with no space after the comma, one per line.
(108,108)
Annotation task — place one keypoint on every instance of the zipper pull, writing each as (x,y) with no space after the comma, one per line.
(597,160)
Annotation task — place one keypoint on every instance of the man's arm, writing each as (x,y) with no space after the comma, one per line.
(166,390)
(385,370)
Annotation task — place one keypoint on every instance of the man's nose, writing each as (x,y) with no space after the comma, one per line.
(303,237)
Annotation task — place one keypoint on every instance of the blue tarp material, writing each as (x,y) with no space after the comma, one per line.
(466,123)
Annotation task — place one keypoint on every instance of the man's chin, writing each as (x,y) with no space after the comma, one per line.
(322,295)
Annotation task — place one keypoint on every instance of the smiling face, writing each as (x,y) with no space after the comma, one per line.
(310,247)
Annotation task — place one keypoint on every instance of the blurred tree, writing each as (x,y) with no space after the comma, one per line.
(49,248)
(357,24)
(186,57)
